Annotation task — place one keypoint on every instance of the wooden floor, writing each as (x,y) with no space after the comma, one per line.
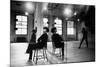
(72,54)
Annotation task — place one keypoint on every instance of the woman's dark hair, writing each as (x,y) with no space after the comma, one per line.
(53,29)
(46,29)
(34,31)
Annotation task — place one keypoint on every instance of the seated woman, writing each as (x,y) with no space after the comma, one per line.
(57,41)
(42,41)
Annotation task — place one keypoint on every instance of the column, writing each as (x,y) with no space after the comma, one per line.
(51,22)
(64,29)
(38,19)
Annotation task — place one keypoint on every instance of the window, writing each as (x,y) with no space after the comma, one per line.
(21,25)
(45,21)
(70,27)
(58,25)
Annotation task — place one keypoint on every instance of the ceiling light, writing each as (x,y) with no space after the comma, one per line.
(68,12)
(26,13)
(29,6)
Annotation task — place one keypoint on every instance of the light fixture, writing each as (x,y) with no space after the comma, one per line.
(75,13)
(78,20)
(66,18)
(68,12)
(45,20)
(45,7)
(26,13)
(29,6)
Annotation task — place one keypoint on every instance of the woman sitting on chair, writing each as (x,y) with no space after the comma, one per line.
(42,41)
(57,41)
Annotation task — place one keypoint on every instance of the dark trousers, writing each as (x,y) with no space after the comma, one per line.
(38,45)
(33,47)
(30,55)
(84,38)
(63,52)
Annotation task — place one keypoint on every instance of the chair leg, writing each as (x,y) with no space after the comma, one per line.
(63,53)
(46,54)
(60,52)
(43,52)
(36,56)
(54,51)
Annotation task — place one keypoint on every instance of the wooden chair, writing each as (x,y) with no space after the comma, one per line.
(36,56)
(54,50)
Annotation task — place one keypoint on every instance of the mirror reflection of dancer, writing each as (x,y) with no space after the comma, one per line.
(85,33)
(30,46)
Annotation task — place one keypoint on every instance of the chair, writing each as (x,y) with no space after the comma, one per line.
(55,46)
(36,56)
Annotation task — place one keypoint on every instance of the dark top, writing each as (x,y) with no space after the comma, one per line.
(31,43)
(33,38)
(42,41)
(84,32)
(43,38)
(57,40)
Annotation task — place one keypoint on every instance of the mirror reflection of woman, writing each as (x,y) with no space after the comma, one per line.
(57,41)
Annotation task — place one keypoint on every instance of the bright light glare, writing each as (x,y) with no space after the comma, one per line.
(45,20)
(29,6)
(26,13)
(75,13)
(68,12)
(45,5)
(70,31)
(66,18)
(78,20)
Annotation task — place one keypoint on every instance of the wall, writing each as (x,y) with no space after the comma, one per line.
(12,26)
(13,36)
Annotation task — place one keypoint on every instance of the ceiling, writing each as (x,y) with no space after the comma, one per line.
(55,9)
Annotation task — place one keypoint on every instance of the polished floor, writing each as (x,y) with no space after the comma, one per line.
(72,54)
